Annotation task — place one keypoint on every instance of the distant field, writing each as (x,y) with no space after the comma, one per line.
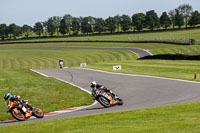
(155,48)
(171,36)
(48,58)
(91,44)
(189,50)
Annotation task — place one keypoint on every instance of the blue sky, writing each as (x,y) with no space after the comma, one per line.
(31,11)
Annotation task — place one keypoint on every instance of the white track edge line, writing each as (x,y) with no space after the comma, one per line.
(76,108)
(135,75)
(39,73)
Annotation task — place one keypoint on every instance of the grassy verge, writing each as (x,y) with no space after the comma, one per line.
(46,93)
(189,50)
(162,68)
(179,118)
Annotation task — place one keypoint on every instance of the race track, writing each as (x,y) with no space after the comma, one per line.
(137,91)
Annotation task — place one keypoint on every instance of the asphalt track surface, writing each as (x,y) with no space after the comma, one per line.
(137,91)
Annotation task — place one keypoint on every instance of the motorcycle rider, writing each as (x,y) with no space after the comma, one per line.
(9,97)
(61,63)
(94,86)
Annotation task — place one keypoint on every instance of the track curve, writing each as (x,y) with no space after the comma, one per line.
(139,52)
(137,91)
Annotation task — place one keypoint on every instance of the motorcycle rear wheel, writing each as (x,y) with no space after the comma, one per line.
(104,101)
(38,112)
(18,114)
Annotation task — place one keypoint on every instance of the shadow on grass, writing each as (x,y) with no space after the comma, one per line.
(172,57)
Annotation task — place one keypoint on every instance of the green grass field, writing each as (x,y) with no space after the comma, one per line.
(17,59)
(171,36)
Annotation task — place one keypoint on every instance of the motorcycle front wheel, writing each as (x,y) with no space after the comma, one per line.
(18,114)
(38,112)
(120,102)
(104,101)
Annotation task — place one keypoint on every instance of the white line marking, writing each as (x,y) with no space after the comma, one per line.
(134,75)
(39,73)
(75,108)
(145,50)
(134,53)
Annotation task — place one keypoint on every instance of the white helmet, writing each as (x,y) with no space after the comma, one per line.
(93,84)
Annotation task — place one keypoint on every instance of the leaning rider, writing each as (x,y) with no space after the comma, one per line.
(96,86)
(9,97)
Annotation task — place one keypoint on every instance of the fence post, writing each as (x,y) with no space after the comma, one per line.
(195,76)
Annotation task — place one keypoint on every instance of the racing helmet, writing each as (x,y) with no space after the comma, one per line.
(93,84)
(7,95)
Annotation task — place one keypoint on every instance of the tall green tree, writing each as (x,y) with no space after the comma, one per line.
(63,27)
(86,27)
(92,22)
(15,30)
(76,25)
(179,19)
(165,20)
(38,28)
(56,23)
(172,17)
(51,29)
(26,29)
(99,25)
(117,19)
(44,25)
(125,22)
(195,18)
(152,20)
(138,21)
(186,10)
(68,20)
(3,31)
(110,24)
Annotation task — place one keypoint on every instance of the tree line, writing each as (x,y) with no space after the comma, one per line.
(70,25)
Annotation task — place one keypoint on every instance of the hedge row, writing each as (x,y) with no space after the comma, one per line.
(172,57)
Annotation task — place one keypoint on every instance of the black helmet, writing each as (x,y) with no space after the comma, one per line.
(93,84)
(7,95)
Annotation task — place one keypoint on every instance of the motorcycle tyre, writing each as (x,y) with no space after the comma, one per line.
(36,114)
(17,118)
(102,103)
(120,102)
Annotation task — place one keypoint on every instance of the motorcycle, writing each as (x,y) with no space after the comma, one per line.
(106,99)
(20,111)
